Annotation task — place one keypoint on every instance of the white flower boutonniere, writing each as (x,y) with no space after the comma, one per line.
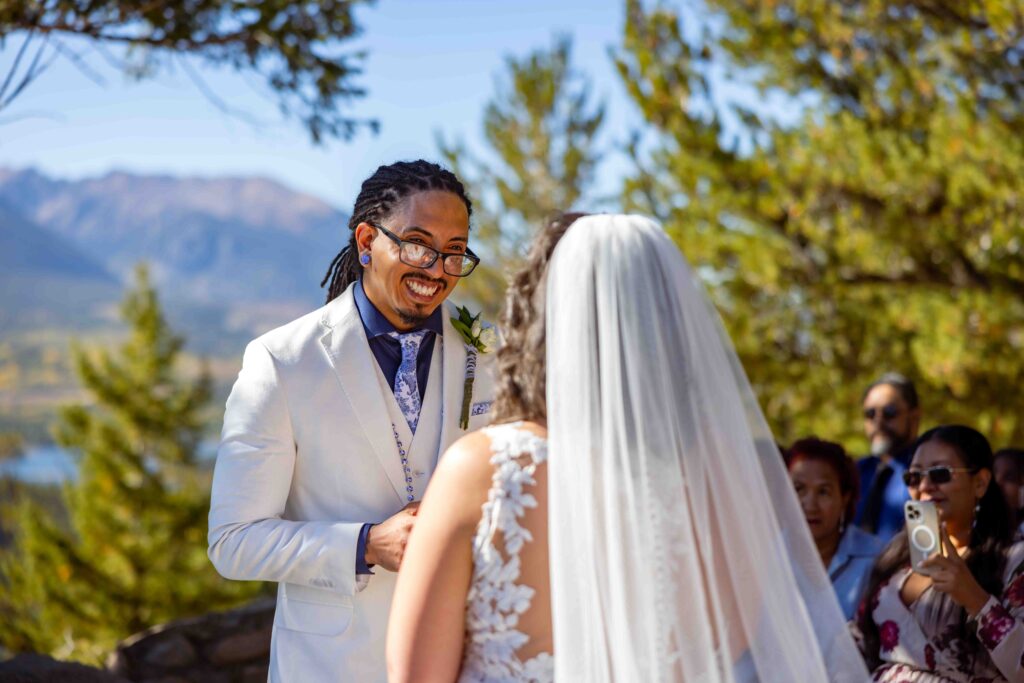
(479,337)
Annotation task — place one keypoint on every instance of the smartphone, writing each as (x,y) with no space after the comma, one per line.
(922,532)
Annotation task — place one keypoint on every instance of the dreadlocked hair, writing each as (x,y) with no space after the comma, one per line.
(378,198)
(520,386)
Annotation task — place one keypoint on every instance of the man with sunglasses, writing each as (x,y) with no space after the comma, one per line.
(336,423)
(892,417)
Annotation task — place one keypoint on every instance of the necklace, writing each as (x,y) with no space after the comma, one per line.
(410,497)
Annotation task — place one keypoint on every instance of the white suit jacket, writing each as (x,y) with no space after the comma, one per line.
(307,456)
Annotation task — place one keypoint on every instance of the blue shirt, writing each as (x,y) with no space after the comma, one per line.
(388,352)
(890,517)
(386,349)
(850,567)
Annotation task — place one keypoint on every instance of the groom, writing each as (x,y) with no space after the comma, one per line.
(336,421)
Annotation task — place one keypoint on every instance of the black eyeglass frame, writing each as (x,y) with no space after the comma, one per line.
(913,478)
(888,411)
(443,255)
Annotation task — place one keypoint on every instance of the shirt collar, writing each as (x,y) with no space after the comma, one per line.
(854,543)
(377,325)
(906,455)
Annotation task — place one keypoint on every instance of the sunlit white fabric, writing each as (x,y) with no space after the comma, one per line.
(678,549)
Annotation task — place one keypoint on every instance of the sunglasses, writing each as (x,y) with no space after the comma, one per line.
(940,474)
(888,412)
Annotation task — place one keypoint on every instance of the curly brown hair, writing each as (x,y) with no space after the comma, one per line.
(521,361)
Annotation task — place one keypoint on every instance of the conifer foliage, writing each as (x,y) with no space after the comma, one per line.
(133,550)
(540,128)
(869,218)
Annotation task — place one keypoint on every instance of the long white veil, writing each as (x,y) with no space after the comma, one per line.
(678,549)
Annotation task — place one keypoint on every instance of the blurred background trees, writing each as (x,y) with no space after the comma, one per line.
(541,128)
(878,227)
(847,177)
(131,551)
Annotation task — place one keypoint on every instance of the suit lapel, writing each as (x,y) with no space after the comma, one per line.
(349,354)
(454,376)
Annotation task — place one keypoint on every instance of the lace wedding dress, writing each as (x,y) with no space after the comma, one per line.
(496,601)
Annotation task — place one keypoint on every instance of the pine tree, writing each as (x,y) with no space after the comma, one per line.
(875,225)
(297,50)
(135,552)
(540,129)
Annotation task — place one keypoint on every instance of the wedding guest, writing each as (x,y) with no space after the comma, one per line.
(892,417)
(962,617)
(1009,473)
(825,480)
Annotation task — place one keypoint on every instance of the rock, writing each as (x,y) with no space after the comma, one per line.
(33,668)
(220,647)
(170,650)
(255,674)
(241,647)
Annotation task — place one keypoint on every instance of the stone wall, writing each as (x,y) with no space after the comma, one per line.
(222,647)
(33,668)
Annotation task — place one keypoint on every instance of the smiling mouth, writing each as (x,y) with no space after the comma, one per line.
(422,290)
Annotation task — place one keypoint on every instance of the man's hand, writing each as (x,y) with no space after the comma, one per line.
(385,542)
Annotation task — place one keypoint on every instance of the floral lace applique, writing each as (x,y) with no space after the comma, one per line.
(495,600)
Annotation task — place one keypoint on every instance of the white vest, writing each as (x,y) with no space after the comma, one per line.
(423,448)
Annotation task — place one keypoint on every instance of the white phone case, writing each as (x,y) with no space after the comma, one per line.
(922,532)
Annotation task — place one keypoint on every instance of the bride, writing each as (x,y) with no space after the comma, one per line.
(628,516)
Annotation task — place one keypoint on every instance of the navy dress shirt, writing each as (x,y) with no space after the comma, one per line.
(890,517)
(388,352)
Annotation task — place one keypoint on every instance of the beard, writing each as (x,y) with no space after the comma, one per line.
(417,315)
(412,318)
(886,442)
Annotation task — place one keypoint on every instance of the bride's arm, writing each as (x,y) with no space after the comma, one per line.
(427,621)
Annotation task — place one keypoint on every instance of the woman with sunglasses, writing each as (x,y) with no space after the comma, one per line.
(964,621)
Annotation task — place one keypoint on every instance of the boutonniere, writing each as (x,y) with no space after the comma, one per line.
(475,333)
(479,337)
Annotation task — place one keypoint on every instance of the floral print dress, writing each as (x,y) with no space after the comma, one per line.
(922,643)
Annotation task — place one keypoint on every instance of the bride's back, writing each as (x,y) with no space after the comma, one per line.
(508,607)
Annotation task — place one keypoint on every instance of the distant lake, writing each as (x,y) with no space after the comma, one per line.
(51,464)
(40,465)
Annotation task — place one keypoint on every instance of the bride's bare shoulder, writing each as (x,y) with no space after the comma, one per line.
(466,466)
(468,460)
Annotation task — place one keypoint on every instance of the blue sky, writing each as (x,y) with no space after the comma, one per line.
(431,67)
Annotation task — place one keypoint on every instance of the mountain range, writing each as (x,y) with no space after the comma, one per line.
(239,252)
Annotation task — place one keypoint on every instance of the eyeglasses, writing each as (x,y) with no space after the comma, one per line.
(888,412)
(940,474)
(418,255)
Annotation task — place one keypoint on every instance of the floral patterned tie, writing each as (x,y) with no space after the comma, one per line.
(407,388)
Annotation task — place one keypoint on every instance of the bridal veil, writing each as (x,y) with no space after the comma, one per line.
(678,549)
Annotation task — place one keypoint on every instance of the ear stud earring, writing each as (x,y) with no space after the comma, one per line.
(365,259)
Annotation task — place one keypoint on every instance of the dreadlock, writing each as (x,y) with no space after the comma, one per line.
(378,197)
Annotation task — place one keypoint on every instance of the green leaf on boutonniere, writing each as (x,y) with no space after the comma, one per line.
(473,332)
